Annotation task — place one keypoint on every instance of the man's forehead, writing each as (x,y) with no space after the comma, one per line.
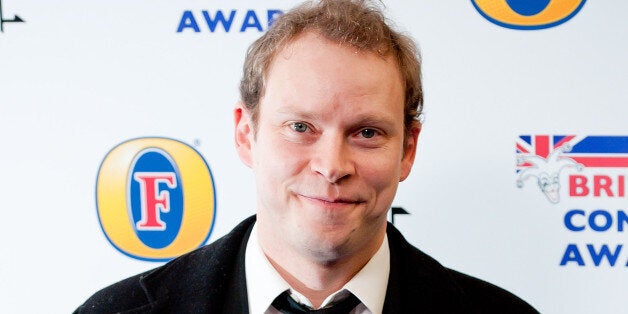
(313,72)
(311,46)
(308,38)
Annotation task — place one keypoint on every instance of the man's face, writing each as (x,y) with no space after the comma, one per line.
(328,152)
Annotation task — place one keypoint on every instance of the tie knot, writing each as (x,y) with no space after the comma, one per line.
(287,305)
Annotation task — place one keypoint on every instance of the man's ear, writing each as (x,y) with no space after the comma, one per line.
(243,133)
(409,150)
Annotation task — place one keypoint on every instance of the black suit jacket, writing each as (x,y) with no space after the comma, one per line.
(212,280)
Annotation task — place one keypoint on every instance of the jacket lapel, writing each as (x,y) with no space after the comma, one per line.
(417,283)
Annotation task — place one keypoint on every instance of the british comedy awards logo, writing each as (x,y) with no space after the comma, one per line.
(589,174)
(155,198)
(528,14)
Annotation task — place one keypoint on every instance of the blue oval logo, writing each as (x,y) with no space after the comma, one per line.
(528,14)
(155,198)
(528,7)
(176,185)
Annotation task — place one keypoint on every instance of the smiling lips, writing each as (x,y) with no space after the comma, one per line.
(331,202)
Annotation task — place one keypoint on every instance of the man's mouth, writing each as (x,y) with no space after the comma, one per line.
(331,201)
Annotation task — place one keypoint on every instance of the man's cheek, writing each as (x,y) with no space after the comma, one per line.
(378,167)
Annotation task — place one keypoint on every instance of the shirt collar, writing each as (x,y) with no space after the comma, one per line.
(264,284)
(371,282)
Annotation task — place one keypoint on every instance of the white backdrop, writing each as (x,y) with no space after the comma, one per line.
(78,78)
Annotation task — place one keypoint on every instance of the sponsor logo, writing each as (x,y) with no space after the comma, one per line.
(15,19)
(155,198)
(226,21)
(528,14)
(594,169)
(544,157)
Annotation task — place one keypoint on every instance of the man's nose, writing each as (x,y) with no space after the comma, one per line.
(333,158)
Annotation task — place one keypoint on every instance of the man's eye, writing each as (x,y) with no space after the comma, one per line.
(299,127)
(368,133)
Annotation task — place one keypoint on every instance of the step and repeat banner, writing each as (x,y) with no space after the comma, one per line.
(117,143)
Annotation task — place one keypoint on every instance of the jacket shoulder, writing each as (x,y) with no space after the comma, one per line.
(192,276)
(122,296)
(418,281)
(485,297)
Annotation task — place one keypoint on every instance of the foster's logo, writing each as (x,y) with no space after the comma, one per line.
(528,14)
(155,198)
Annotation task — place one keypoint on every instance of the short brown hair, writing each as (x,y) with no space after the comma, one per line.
(358,23)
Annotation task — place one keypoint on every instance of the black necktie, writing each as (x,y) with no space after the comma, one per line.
(285,304)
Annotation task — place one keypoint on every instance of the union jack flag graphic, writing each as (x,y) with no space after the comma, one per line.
(589,151)
(543,157)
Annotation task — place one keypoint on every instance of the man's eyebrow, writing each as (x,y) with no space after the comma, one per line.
(377,117)
(373,118)
(299,112)
(380,121)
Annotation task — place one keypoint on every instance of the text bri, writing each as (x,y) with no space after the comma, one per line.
(597,185)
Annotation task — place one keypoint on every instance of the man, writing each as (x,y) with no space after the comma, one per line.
(328,124)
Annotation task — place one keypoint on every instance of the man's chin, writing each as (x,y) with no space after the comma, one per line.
(328,247)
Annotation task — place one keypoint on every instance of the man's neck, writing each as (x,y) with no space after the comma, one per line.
(316,282)
(317,279)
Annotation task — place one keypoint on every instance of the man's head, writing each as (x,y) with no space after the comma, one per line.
(355,23)
(329,131)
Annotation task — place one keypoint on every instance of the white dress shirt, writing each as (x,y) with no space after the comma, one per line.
(264,284)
